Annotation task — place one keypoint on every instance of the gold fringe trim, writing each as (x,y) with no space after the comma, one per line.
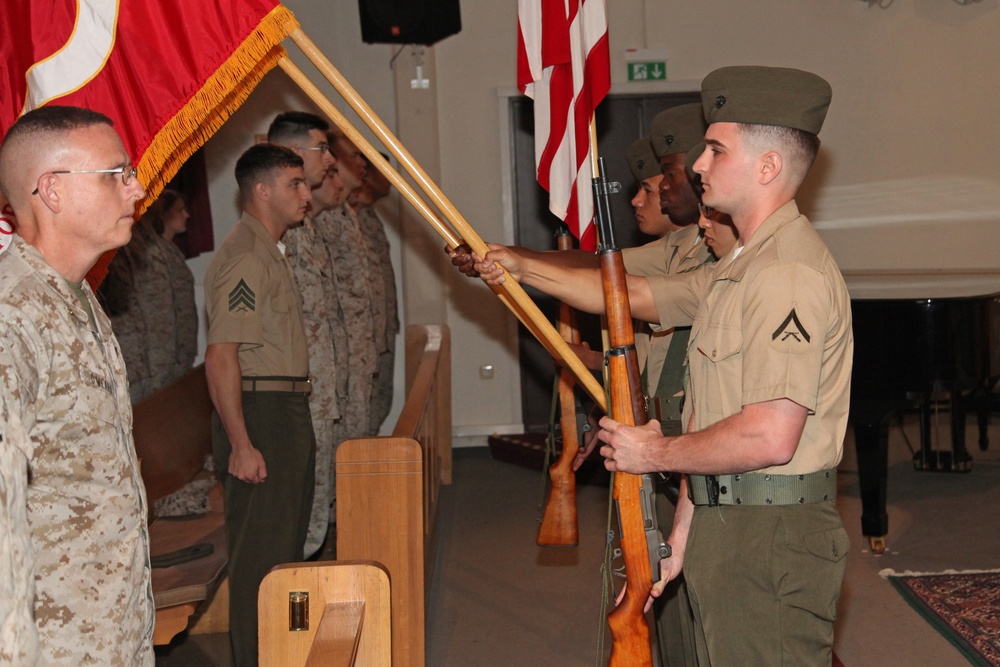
(221,95)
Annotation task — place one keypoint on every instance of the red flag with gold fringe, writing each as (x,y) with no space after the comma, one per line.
(167,73)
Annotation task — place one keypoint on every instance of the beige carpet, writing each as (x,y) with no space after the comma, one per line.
(497,599)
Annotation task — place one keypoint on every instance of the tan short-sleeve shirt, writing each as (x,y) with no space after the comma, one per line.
(251,299)
(679,251)
(776,323)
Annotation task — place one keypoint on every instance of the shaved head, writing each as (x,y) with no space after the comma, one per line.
(34,142)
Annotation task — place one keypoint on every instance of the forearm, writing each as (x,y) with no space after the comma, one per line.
(682,521)
(759,436)
(225,386)
(569,259)
(583,288)
(579,287)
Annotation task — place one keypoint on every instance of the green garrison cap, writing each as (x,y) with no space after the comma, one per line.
(677,129)
(766,96)
(641,159)
(692,157)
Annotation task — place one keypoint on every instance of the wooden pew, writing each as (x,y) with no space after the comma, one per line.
(388,487)
(346,619)
(172,430)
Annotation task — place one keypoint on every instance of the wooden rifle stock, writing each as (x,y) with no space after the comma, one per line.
(560,526)
(629,629)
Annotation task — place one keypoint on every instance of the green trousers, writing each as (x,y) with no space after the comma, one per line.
(266,523)
(763,583)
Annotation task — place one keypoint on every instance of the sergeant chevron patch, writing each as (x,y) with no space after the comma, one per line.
(242,299)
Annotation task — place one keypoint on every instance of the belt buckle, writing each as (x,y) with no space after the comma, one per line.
(712,488)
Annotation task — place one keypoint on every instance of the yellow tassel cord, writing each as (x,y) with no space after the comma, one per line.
(220,96)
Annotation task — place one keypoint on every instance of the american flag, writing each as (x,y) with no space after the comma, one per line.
(563,64)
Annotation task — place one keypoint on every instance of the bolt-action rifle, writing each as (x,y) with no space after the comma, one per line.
(632,493)
(560,526)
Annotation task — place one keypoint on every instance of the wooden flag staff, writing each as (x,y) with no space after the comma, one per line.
(392,175)
(510,292)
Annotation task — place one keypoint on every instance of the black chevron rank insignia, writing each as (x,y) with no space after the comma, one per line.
(790,332)
(242,299)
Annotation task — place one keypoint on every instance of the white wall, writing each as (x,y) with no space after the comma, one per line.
(907,177)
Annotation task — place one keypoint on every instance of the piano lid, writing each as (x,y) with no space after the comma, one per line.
(921,284)
(938,235)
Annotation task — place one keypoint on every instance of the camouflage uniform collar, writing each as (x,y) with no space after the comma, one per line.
(731,268)
(29,255)
(260,231)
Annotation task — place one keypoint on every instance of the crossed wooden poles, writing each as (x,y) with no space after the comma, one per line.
(457,229)
(631,645)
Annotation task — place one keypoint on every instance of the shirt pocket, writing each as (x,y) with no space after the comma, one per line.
(720,343)
(95,400)
(719,373)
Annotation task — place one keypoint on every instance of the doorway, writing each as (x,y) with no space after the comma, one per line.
(621,119)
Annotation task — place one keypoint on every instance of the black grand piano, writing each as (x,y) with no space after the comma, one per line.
(918,337)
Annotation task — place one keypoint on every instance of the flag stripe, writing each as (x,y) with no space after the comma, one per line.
(564,65)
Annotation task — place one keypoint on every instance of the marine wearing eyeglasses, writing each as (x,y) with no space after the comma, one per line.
(306,134)
(69,181)
(127,173)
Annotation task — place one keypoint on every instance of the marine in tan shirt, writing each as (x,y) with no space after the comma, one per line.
(759,537)
(257,368)
(69,181)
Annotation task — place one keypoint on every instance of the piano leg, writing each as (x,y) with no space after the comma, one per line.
(984,405)
(936,460)
(983,419)
(871,437)
(961,461)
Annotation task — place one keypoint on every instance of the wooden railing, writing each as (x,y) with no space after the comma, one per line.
(388,487)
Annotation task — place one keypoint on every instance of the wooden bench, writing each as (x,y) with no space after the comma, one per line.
(173,435)
(343,620)
(388,487)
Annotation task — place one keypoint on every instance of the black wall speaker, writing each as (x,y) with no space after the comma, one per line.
(408,21)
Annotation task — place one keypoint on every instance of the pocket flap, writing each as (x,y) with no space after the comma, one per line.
(720,343)
(829,544)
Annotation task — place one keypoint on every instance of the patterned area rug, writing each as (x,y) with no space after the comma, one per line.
(962,606)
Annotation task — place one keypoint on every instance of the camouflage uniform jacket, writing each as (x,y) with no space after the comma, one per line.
(341,231)
(181,282)
(313,273)
(383,283)
(86,501)
(120,299)
(165,294)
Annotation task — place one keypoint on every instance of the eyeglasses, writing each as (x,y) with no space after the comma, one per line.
(706,211)
(127,173)
(322,148)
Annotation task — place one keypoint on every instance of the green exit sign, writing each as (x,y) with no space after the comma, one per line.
(647,71)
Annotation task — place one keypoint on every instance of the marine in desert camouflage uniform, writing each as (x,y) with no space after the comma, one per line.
(313,270)
(149,293)
(62,374)
(383,289)
(341,231)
